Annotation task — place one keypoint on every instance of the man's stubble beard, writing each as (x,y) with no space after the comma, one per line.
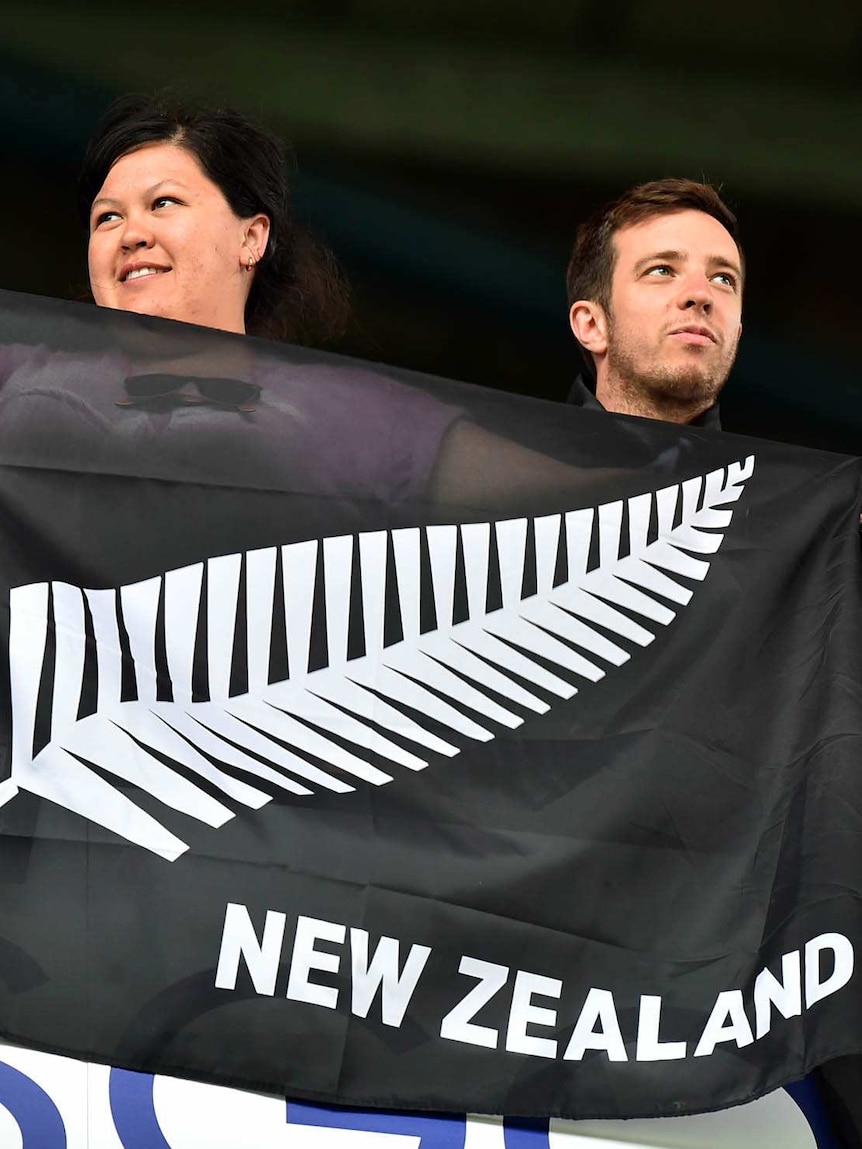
(695,386)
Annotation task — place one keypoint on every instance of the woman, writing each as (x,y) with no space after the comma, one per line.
(188,218)
(203,195)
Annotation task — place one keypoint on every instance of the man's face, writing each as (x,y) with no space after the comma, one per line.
(676,304)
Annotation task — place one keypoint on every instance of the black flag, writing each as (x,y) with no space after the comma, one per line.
(381,740)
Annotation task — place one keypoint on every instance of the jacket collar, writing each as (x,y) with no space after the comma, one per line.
(581,396)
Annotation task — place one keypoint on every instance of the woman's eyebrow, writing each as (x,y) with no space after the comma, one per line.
(106,199)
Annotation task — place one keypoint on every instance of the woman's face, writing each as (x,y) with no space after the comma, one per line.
(164,241)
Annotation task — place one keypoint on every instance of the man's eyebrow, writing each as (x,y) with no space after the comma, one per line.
(106,199)
(713,261)
(660,257)
(723,261)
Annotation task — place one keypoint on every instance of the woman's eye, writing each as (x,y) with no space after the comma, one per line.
(105,217)
(164,199)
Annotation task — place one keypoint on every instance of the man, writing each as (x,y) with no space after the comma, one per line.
(655,300)
(655,295)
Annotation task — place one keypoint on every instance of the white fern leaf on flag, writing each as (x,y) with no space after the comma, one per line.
(103,681)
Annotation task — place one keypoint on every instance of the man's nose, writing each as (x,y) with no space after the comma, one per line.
(696,294)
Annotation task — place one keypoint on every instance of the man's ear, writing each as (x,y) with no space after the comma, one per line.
(589,323)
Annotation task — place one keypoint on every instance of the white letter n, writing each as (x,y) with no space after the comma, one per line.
(240,940)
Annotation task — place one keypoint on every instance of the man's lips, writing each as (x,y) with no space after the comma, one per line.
(694,335)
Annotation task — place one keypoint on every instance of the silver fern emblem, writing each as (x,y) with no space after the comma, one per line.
(431,691)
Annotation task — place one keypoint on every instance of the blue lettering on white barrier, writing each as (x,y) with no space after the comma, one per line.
(136,1122)
(133,1110)
(38,1118)
(526,1132)
(435,1132)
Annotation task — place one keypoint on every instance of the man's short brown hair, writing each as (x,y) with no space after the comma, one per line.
(591,268)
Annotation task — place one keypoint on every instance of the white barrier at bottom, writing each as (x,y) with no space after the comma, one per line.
(50,1102)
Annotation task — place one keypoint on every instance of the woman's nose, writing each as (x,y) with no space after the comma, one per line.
(136,234)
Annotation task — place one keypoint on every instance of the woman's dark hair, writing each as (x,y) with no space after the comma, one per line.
(298,292)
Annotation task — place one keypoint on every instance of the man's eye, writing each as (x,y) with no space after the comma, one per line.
(726,279)
(661,270)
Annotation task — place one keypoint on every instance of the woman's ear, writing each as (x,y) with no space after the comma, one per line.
(256,236)
(589,324)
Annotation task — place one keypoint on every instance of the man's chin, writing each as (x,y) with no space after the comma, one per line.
(687,389)
(692,380)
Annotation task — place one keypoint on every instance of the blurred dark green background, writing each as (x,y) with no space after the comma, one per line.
(447,152)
